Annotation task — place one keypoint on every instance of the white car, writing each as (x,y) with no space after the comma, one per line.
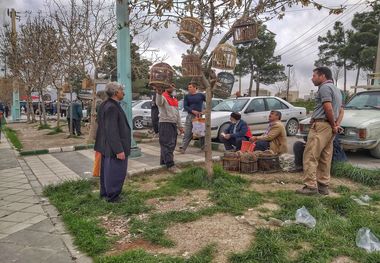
(140,108)
(255,111)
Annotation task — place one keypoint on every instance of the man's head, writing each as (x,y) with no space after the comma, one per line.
(192,87)
(320,75)
(115,91)
(274,115)
(170,89)
(235,117)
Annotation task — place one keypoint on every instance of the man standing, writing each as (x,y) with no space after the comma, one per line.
(169,122)
(274,138)
(319,146)
(236,133)
(1,116)
(193,104)
(113,141)
(77,115)
(154,114)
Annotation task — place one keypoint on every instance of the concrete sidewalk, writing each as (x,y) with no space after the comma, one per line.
(30,229)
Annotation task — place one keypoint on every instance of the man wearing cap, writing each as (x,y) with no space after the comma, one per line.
(236,133)
(169,123)
(274,138)
(324,126)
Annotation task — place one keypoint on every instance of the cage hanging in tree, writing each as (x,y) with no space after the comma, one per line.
(190,31)
(87,83)
(66,88)
(244,30)
(226,80)
(161,74)
(224,57)
(191,66)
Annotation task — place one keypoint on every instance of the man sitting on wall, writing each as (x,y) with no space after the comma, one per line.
(274,138)
(237,132)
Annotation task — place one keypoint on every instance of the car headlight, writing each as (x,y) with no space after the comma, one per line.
(362,134)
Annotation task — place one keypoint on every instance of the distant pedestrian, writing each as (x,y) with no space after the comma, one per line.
(6,110)
(113,141)
(76,119)
(193,105)
(319,146)
(169,123)
(1,116)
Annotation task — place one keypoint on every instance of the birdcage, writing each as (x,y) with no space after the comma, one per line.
(226,80)
(224,57)
(231,161)
(66,88)
(244,30)
(190,31)
(87,83)
(161,74)
(191,66)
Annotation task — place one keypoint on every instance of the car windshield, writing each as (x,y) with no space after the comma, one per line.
(231,105)
(365,100)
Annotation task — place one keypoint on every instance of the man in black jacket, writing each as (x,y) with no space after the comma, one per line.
(113,141)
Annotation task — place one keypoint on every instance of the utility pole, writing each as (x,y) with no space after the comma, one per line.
(287,88)
(16,96)
(124,75)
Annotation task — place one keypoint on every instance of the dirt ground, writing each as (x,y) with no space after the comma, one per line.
(34,139)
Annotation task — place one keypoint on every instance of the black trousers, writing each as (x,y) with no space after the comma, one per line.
(112,175)
(154,115)
(168,140)
(262,146)
(298,149)
(77,126)
(230,143)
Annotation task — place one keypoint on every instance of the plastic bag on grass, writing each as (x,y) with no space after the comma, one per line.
(367,240)
(304,217)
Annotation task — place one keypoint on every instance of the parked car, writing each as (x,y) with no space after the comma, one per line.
(140,109)
(361,123)
(255,111)
(147,120)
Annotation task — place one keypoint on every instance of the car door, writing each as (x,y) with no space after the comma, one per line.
(256,115)
(146,108)
(275,104)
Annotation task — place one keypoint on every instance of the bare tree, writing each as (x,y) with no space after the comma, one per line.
(217,18)
(337,73)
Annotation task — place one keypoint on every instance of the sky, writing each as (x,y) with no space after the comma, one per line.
(296,37)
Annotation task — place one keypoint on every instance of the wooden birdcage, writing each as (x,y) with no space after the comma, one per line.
(224,57)
(66,88)
(225,79)
(244,30)
(190,31)
(161,74)
(87,83)
(191,66)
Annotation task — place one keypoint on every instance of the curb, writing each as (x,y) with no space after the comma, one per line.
(57,150)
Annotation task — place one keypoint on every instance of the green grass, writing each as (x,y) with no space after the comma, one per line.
(12,136)
(370,177)
(338,219)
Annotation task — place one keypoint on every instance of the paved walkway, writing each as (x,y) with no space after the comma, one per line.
(30,228)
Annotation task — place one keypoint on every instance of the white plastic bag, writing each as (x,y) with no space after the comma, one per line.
(367,240)
(304,217)
(199,127)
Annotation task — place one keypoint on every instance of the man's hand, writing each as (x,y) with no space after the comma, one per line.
(335,129)
(196,113)
(158,89)
(253,139)
(227,136)
(120,156)
(181,130)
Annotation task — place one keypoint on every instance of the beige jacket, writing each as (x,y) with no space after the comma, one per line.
(168,113)
(277,138)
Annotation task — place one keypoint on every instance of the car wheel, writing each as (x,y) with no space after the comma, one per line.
(222,128)
(292,127)
(375,152)
(138,123)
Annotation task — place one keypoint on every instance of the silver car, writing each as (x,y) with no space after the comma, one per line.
(361,123)
(140,108)
(255,111)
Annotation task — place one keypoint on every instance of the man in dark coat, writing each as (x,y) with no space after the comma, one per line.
(236,133)
(113,141)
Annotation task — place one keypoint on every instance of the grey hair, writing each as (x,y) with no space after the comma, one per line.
(112,88)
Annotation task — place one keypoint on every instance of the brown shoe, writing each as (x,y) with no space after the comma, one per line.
(323,189)
(307,191)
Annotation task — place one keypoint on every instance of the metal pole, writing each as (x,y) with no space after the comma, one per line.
(124,64)
(287,88)
(16,95)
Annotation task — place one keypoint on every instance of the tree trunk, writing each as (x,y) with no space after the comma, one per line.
(257,87)
(208,148)
(345,76)
(30,105)
(27,107)
(250,85)
(58,108)
(43,109)
(92,131)
(357,78)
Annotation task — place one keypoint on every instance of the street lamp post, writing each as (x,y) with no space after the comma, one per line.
(287,88)
(124,65)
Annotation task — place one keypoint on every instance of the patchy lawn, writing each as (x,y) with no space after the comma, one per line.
(232,218)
